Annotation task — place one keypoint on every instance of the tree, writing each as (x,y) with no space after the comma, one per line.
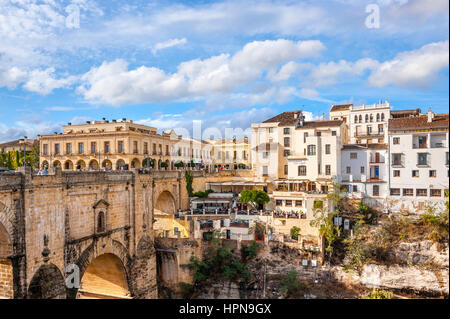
(189,180)
(254,197)
(179,164)
(33,156)
(295,231)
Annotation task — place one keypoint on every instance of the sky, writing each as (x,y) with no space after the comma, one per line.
(225,63)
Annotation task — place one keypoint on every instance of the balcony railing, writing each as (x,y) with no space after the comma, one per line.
(369,134)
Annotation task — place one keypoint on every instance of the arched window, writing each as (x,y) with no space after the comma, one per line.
(356,119)
(101,222)
(382,116)
(371,118)
(367,118)
(360,119)
(378,117)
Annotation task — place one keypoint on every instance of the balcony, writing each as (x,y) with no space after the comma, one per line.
(423,145)
(369,134)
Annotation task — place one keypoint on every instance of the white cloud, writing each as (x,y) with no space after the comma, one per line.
(168,44)
(329,73)
(44,82)
(415,68)
(114,84)
(11,77)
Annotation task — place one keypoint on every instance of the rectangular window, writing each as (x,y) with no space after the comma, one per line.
(286,130)
(422,159)
(446,158)
(318,133)
(145,148)
(56,149)
(353,155)
(302,170)
(286,169)
(287,152)
(93,147)
(327,149)
(298,203)
(135,147)
(435,192)
(305,135)
(408,192)
(397,159)
(376,190)
(355,188)
(432,173)
(396,173)
(287,142)
(395,191)
(333,133)
(415,173)
(279,202)
(106,147)
(348,169)
(421,192)
(288,203)
(270,129)
(69,148)
(45,149)
(327,169)
(311,150)
(265,171)
(120,146)
(80,148)
(396,140)
(154,149)
(362,169)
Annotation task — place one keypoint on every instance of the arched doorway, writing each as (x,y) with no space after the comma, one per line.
(120,164)
(107,164)
(44,165)
(165,203)
(81,164)
(159,164)
(6,271)
(68,165)
(47,283)
(93,164)
(148,162)
(104,278)
(135,163)
(56,164)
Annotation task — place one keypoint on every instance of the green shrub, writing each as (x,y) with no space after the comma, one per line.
(295,231)
(290,285)
(378,294)
(186,290)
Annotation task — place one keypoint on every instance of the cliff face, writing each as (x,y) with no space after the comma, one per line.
(423,269)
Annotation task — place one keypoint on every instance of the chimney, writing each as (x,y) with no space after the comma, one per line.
(69,123)
(430,115)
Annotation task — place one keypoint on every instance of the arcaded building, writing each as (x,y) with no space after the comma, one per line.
(115,145)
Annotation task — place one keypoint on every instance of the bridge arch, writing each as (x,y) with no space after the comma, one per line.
(110,271)
(68,165)
(165,203)
(47,283)
(81,164)
(93,164)
(6,269)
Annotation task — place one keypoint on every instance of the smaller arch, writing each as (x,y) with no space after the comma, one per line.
(120,164)
(44,165)
(378,117)
(159,164)
(68,165)
(356,118)
(47,283)
(107,164)
(360,118)
(148,162)
(367,118)
(81,164)
(135,163)
(93,164)
(56,163)
(382,116)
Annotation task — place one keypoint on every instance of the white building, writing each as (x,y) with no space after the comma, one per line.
(367,124)
(364,171)
(419,158)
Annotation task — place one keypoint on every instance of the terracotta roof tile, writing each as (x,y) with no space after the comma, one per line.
(419,122)
(285,119)
(340,107)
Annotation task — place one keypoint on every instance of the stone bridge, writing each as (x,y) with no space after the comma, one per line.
(99,223)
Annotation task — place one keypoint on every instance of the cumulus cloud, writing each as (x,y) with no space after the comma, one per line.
(415,68)
(11,77)
(44,81)
(113,83)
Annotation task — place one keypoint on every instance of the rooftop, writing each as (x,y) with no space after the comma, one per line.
(290,118)
(419,122)
(340,107)
(373,146)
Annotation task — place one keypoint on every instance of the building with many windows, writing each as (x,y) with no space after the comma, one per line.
(232,153)
(419,159)
(118,145)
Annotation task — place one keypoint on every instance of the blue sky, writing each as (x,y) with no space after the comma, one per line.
(226,63)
